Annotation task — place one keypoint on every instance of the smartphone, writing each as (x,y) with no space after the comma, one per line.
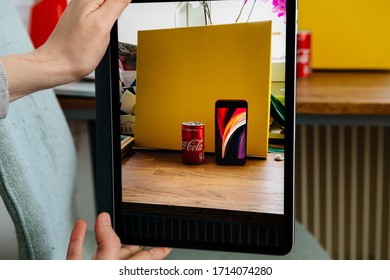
(231,118)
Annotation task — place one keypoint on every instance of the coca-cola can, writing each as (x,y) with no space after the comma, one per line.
(304,54)
(192,142)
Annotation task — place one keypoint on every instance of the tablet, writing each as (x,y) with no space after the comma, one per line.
(195,125)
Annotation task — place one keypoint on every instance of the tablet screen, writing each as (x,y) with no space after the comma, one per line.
(196,120)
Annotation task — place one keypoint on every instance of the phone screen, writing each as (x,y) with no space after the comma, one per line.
(230,131)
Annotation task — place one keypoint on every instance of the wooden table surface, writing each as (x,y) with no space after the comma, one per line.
(344,92)
(161,178)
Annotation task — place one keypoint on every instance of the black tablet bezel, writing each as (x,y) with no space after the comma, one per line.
(278,229)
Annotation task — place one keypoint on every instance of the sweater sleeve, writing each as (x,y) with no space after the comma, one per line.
(4,94)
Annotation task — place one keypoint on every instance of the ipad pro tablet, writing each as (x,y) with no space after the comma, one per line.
(172,82)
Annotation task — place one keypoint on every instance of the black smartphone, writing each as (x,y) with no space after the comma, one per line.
(231,118)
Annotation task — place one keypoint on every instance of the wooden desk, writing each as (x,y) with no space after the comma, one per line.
(344,98)
(330,92)
(161,178)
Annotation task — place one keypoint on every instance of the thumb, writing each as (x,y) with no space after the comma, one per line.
(75,247)
(107,240)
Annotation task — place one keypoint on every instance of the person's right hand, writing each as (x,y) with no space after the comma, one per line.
(109,245)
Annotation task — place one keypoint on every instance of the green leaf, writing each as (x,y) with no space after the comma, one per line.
(277,110)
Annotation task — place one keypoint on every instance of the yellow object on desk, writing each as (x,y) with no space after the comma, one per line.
(347,34)
(182,72)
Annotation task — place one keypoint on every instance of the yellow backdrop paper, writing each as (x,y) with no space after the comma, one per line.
(182,72)
(348,34)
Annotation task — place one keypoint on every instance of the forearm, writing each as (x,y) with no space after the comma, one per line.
(72,51)
(33,71)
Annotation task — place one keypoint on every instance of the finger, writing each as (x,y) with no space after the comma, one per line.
(107,241)
(128,251)
(112,9)
(75,248)
(157,253)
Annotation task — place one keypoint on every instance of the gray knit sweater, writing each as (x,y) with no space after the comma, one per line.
(4,94)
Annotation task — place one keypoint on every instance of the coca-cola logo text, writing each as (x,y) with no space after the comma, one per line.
(194,145)
(303,56)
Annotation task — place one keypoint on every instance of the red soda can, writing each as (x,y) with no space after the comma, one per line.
(192,142)
(303,54)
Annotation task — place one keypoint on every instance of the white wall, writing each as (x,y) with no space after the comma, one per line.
(165,15)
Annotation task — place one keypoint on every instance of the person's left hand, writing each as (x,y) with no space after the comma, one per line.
(72,51)
(81,36)
(109,245)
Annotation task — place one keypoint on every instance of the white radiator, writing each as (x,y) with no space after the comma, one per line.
(343,188)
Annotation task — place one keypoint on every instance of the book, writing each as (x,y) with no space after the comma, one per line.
(127,143)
